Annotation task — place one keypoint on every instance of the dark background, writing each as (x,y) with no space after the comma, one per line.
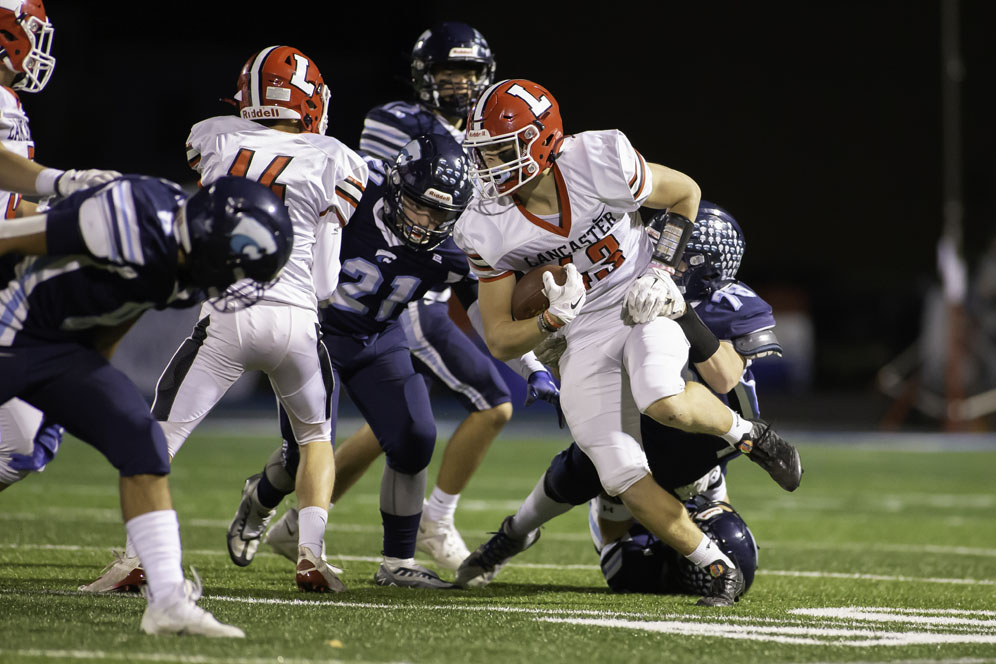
(818,125)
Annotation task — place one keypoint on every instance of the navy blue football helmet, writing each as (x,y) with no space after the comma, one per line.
(236,236)
(713,253)
(430,180)
(451,46)
(721,522)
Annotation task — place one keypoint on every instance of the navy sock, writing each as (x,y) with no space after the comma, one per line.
(268,495)
(399,534)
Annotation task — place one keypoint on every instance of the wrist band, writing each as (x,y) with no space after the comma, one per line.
(703,344)
(45,182)
(546,323)
(670,233)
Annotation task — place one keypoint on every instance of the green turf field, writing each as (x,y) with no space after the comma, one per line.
(885,554)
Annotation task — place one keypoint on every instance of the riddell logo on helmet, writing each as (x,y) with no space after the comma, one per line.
(437,195)
(260,114)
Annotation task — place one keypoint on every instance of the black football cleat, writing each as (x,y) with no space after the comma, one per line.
(727,585)
(770,451)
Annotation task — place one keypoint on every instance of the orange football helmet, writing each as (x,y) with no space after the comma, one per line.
(282,83)
(25,42)
(514,132)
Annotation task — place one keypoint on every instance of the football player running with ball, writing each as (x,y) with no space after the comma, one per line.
(544,197)
(691,467)
(279,141)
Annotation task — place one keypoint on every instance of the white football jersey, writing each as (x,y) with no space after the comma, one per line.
(602,181)
(318,177)
(16,137)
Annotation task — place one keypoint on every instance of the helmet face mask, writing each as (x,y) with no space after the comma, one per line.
(514,132)
(236,237)
(428,187)
(713,254)
(282,83)
(445,54)
(25,43)
(504,163)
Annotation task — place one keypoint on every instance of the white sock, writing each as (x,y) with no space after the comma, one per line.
(395,563)
(156,537)
(130,550)
(441,506)
(707,553)
(740,428)
(311,528)
(535,510)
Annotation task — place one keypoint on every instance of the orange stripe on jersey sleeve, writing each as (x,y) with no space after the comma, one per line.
(639,176)
(496,277)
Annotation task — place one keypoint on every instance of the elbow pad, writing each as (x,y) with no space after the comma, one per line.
(758,344)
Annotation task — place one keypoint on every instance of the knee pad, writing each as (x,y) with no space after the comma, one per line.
(571,477)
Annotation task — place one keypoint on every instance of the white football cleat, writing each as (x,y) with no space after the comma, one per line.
(248,525)
(123,575)
(283,534)
(442,541)
(183,616)
(315,575)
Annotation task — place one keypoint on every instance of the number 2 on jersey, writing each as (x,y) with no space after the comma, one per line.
(243,160)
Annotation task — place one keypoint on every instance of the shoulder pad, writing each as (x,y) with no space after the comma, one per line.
(758,344)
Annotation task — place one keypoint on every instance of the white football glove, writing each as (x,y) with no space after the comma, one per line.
(653,294)
(565,301)
(72,180)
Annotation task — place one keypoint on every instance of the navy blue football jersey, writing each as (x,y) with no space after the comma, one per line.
(112,254)
(387,128)
(678,458)
(380,274)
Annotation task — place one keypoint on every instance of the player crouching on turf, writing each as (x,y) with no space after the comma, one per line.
(75,279)
(691,467)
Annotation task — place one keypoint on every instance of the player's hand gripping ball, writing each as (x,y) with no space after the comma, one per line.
(528,298)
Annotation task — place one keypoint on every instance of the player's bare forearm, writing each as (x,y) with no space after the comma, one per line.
(506,338)
(673,190)
(18,173)
(33,244)
(722,371)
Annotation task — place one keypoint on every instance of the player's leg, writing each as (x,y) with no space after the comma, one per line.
(201,370)
(99,405)
(442,350)
(696,409)
(395,401)
(301,375)
(592,390)
(653,356)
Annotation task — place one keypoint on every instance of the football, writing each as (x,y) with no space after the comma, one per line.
(528,299)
